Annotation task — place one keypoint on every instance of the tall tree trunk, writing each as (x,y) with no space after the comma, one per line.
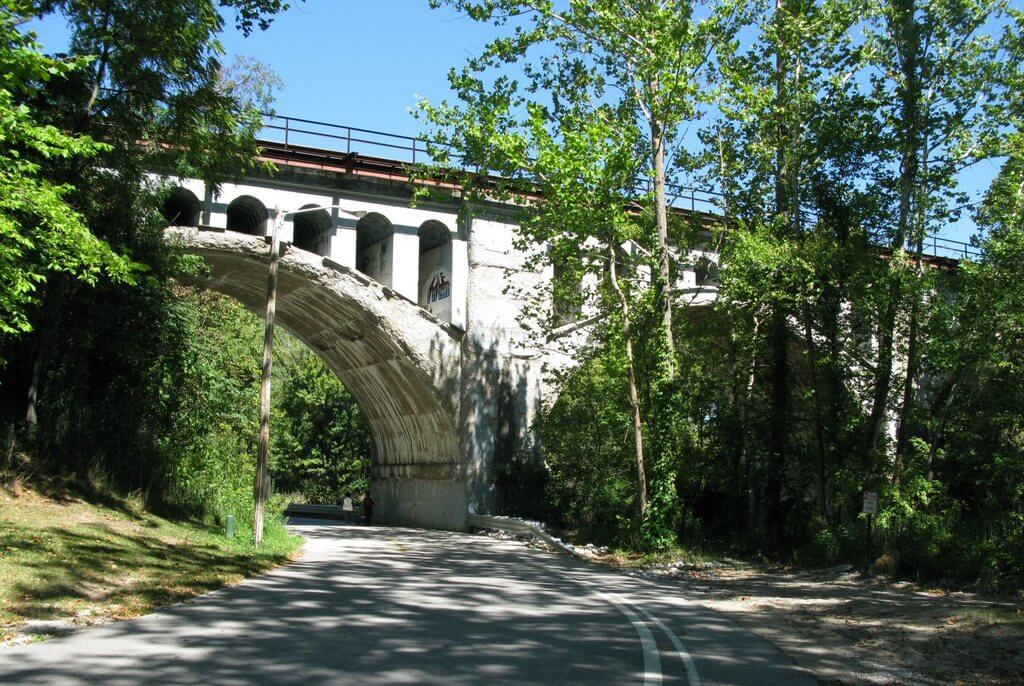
(778,430)
(46,334)
(908,44)
(661,219)
(940,430)
(778,427)
(913,333)
(906,406)
(832,382)
(819,428)
(102,63)
(58,284)
(634,396)
(744,463)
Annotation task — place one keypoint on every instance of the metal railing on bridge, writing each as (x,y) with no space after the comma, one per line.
(349,140)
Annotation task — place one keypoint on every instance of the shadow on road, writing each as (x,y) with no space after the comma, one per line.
(385,606)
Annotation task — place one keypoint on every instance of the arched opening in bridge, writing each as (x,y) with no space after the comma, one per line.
(313,230)
(706,272)
(181,208)
(375,243)
(247,214)
(435,283)
(401,367)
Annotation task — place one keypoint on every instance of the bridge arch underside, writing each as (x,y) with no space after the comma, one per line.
(400,365)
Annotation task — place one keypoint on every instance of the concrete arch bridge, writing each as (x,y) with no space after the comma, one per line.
(408,304)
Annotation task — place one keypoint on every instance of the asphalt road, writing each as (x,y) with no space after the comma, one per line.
(401,606)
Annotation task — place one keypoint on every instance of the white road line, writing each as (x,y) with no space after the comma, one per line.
(652,660)
(684,654)
(652,657)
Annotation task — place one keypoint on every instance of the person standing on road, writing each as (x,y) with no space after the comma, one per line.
(368,508)
(346,508)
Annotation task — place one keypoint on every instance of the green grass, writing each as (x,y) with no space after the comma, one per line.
(62,557)
(691,556)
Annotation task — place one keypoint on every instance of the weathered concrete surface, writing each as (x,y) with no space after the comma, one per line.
(447,405)
(369,605)
(402,365)
(501,381)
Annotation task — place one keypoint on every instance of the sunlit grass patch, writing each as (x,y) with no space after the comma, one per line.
(64,558)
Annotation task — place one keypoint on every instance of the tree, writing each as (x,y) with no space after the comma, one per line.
(933,71)
(607,86)
(153,98)
(646,58)
(40,232)
(777,152)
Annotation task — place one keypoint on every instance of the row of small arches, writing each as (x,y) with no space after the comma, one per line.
(312,227)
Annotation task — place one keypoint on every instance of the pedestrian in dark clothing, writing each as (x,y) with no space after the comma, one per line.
(368,508)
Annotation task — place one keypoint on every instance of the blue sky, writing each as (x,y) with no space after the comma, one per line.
(355,62)
(364,63)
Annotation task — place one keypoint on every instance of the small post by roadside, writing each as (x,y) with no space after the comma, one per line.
(262,483)
(870,508)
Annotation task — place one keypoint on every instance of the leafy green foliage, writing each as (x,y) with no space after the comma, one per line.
(127,374)
(183,429)
(587,439)
(322,442)
(835,360)
(40,232)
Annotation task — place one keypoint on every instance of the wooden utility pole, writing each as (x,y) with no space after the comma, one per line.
(262,482)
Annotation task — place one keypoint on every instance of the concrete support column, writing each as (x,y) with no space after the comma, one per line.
(429,503)
(343,243)
(215,211)
(405,265)
(500,388)
(460,282)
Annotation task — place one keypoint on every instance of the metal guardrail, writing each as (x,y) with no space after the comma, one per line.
(520,526)
(310,133)
(340,138)
(320,511)
(947,247)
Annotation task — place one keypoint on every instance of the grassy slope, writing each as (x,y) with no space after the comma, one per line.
(64,558)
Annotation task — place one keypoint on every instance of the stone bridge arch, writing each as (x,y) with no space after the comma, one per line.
(402,365)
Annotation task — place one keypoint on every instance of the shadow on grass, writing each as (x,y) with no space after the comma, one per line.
(119,572)
(67,490)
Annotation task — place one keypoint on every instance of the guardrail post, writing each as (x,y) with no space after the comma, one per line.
(286,120)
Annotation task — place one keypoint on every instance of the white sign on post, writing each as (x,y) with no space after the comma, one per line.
(870,502)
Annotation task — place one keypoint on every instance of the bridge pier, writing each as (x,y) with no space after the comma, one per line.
(426,503)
